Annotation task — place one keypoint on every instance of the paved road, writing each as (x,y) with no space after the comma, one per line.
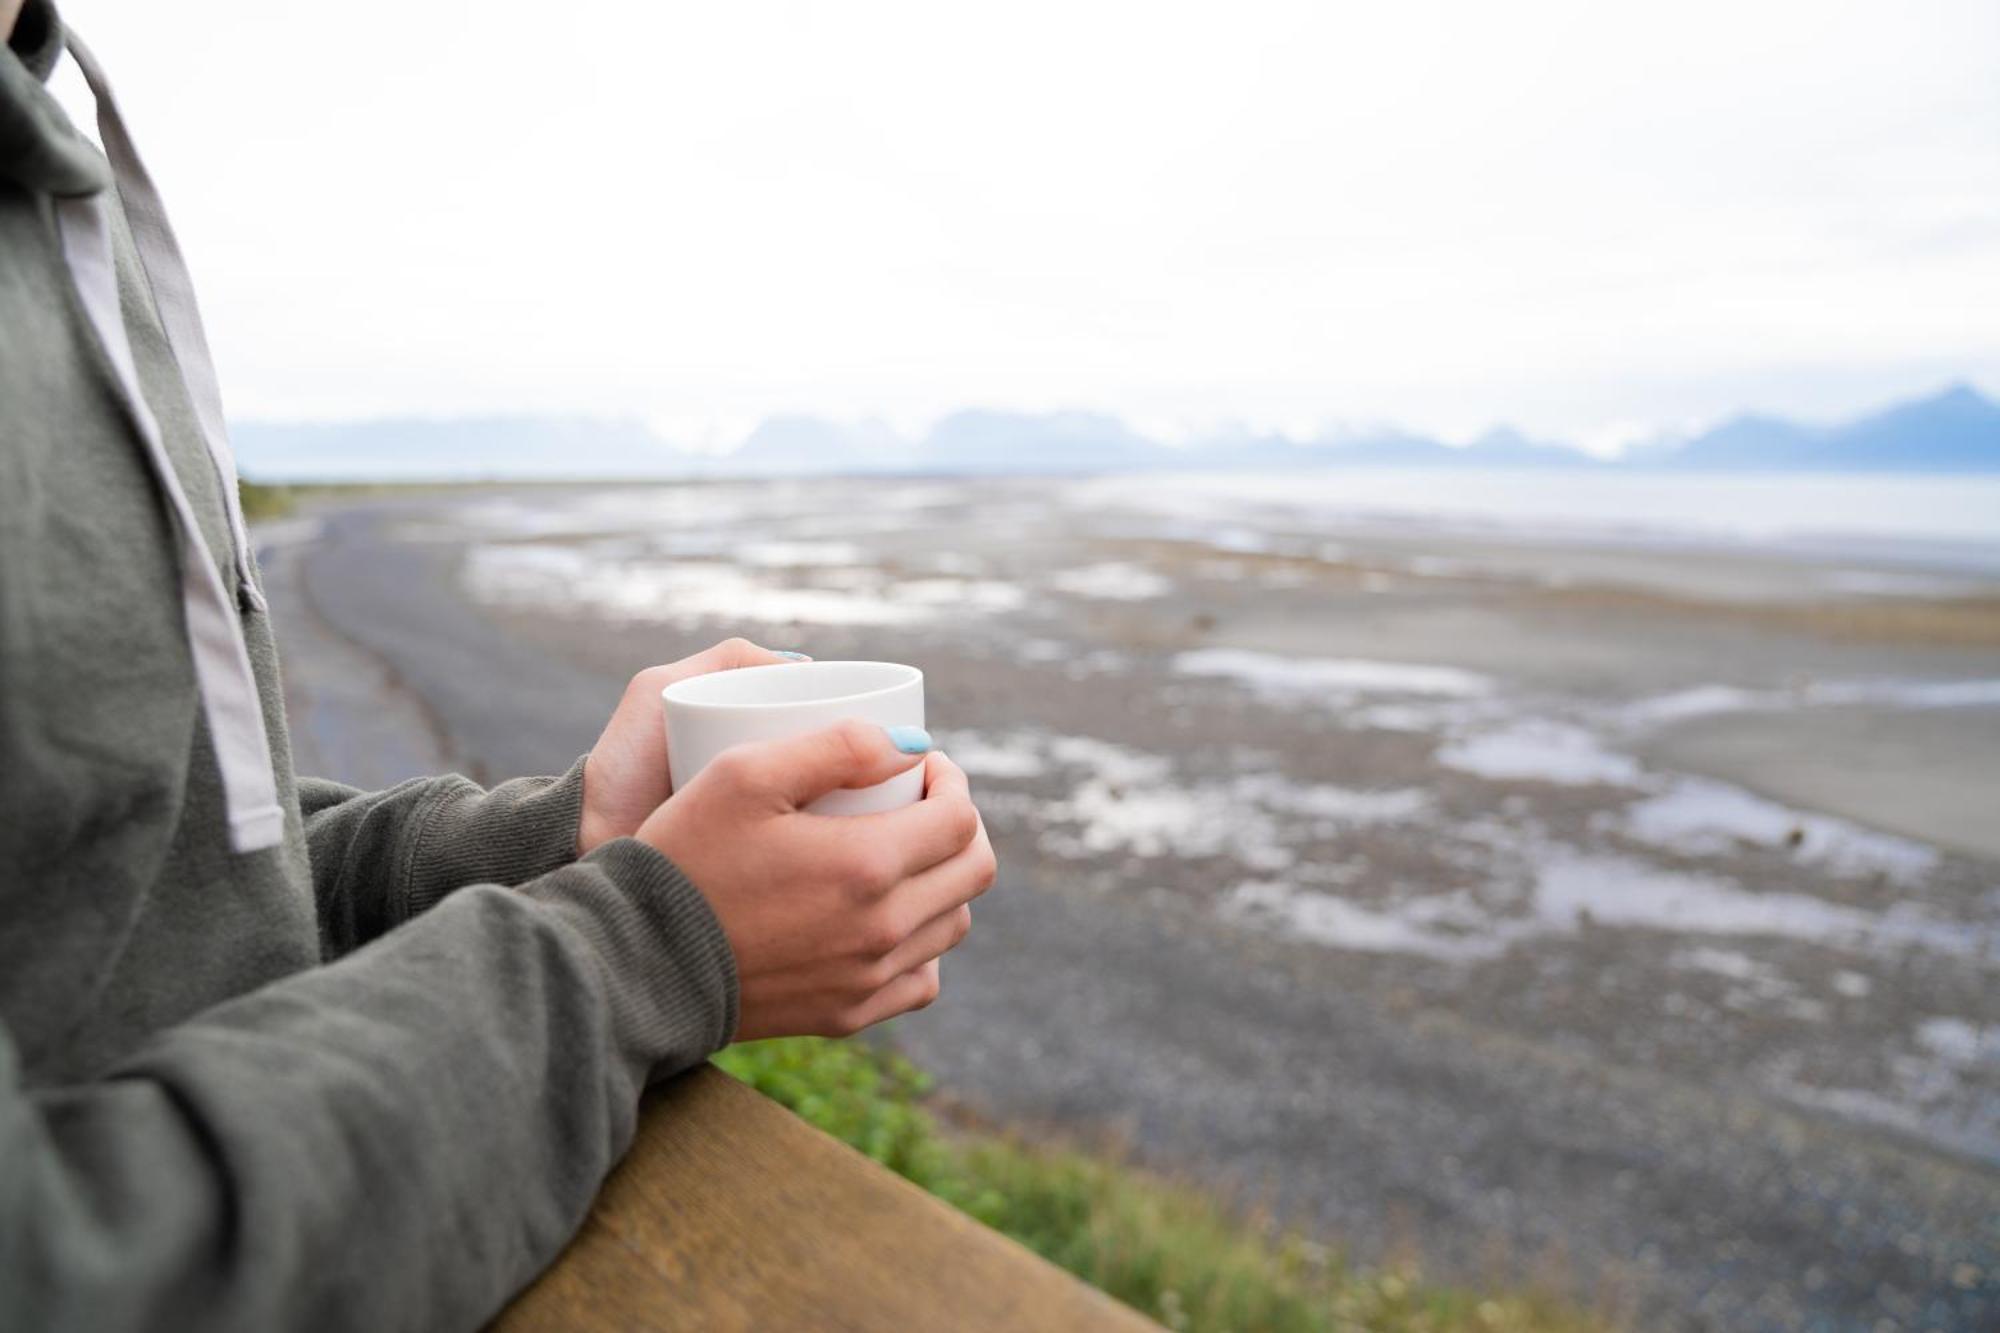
(1248,1062)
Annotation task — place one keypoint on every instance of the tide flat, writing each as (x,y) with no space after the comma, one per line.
(1628,909)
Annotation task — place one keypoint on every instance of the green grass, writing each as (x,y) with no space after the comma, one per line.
(261,501)
(1159,1245)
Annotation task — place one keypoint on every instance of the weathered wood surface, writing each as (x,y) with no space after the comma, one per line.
(732,1213)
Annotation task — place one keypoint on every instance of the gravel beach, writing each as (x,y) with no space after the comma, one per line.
(1620,913)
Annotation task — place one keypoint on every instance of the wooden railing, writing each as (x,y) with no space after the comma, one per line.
(732,1213)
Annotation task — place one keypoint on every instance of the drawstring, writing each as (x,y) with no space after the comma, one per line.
(223,673)
(173,296)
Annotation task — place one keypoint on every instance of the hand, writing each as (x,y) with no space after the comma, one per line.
(625,778)
(836,921)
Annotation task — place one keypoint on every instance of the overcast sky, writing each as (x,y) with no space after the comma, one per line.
(1590,220)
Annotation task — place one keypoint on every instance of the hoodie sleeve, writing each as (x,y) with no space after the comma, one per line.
(380,858)
(401,1139)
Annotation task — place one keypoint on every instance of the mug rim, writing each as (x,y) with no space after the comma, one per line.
(912,676)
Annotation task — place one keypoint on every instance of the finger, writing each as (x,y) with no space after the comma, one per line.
(912,990)
(944,887)
(739,652)
(935,938)
(724,656)
(926,833)
(800,769)
(940,767)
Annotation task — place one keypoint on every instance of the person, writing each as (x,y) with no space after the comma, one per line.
(274,1052)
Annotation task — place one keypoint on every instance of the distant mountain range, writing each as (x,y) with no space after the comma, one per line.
(1957,430)
(1954,431)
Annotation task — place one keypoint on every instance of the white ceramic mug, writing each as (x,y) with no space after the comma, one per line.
(708,714)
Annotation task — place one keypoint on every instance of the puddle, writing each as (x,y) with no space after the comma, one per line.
(1331,680)
(1608,889)
(798,555)
(688,591)
(1541,751)
(1325,918)
(1735,966)
(1124,801)
(1701,817)
(1330,805)
(1112,582)
(1715,700)
(1883,583)
(1959,1042)
(983,756)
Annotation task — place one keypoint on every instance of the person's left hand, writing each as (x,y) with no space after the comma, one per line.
(625,778)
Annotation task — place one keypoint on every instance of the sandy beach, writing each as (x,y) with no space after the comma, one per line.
(1623,908)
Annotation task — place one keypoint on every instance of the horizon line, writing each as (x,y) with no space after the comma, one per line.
(1217,437)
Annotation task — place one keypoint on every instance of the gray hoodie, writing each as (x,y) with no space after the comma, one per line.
(274,1053)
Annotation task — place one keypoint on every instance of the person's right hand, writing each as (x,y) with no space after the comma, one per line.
(836,921)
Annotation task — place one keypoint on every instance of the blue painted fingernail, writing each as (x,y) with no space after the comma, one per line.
(910,740)
(790,656)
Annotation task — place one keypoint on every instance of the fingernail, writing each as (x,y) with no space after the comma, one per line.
(910,740)
(790,656)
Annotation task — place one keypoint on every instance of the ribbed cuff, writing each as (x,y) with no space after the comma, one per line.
(669,973)
(516,832)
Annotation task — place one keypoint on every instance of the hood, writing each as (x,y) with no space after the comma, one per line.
(39,148)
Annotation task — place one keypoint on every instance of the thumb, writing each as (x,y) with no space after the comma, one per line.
(853,753)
